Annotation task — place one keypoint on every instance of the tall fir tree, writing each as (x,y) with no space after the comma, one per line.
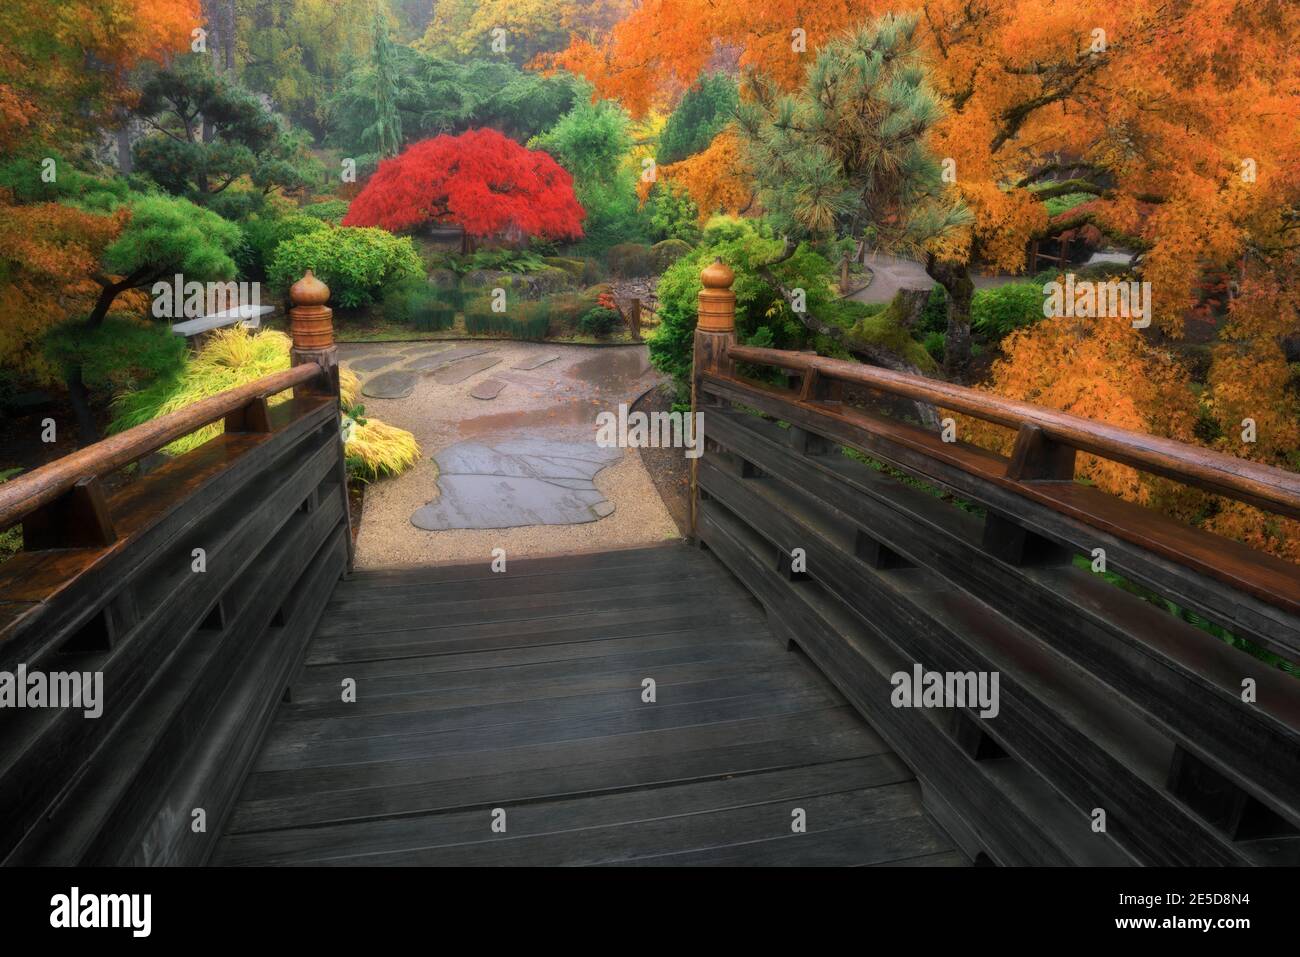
(386,131)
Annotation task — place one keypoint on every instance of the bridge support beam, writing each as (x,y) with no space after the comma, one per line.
(715,334)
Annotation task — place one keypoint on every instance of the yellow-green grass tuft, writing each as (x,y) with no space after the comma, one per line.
(234,357)
(378,450)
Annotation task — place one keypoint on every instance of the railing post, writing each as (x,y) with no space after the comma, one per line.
(715,334)
(311,324)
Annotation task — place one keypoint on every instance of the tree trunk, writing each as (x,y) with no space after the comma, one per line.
(79,396)
(125,162)
(956,281)
(911,304)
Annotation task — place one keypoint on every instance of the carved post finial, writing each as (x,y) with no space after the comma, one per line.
(311,326)
(717,303)
(715,334)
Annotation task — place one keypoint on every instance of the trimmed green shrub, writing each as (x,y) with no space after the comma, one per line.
(997,312)
(120,355)
(600,321)
(528,321)
(354,262)
(629,260)
(263,234)
(330,211)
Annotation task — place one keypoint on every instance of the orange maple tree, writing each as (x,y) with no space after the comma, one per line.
(716,179)
(64,66)
(1179,121)
(48,253)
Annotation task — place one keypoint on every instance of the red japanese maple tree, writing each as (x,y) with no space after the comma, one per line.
(480,180)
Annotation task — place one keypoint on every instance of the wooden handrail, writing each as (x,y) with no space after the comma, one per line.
(23,495)
(1273,489)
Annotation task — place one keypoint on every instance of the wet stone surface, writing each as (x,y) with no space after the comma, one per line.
(517,482)
(430,362)
(488,389)
(390,385)
(377,361)
(461,370)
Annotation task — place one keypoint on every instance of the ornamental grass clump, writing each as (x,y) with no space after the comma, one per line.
(235,357)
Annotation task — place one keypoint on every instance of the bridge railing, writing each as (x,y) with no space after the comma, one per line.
(187,597)
(1125,733)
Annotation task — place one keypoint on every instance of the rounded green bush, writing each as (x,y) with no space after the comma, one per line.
(354,262)
(600,321)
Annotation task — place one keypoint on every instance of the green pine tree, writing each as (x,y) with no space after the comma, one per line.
(386,131)
(845,156)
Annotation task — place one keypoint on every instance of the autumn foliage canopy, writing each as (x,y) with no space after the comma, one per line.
(480,180)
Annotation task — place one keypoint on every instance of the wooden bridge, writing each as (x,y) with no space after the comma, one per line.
(732,700)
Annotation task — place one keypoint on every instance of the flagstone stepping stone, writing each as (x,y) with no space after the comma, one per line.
(535,362)
(431,363)
(515,483)
(397,384)
(426,349)
(371,363)
(463,369)
(488,389)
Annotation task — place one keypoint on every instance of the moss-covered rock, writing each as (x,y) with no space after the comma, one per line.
(531,286)
(630,260)
(668,252)
(574,267)
(885,330)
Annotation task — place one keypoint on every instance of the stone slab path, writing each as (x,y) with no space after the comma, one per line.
(536,362)
(377,361)
(517,482)
(390,385)
(488,389)
(464,368)
(438,360)
(555,397)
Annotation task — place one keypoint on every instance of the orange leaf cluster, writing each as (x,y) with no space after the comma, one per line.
(716,179)
(1100,369)
(48,252)
(64,66)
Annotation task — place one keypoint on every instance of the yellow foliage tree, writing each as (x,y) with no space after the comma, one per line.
(716,179)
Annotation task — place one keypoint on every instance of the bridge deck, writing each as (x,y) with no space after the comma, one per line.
(523,691)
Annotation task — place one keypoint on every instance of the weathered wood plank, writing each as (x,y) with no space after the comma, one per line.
(1184,681)
(358,842)
(562,770)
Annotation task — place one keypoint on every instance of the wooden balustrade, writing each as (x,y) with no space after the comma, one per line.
(192,589)
(876,546)
(1273,489)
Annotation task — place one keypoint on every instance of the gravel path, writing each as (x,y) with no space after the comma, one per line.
(560,401)
(892,273)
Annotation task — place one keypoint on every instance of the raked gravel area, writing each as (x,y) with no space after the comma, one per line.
(557,401)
